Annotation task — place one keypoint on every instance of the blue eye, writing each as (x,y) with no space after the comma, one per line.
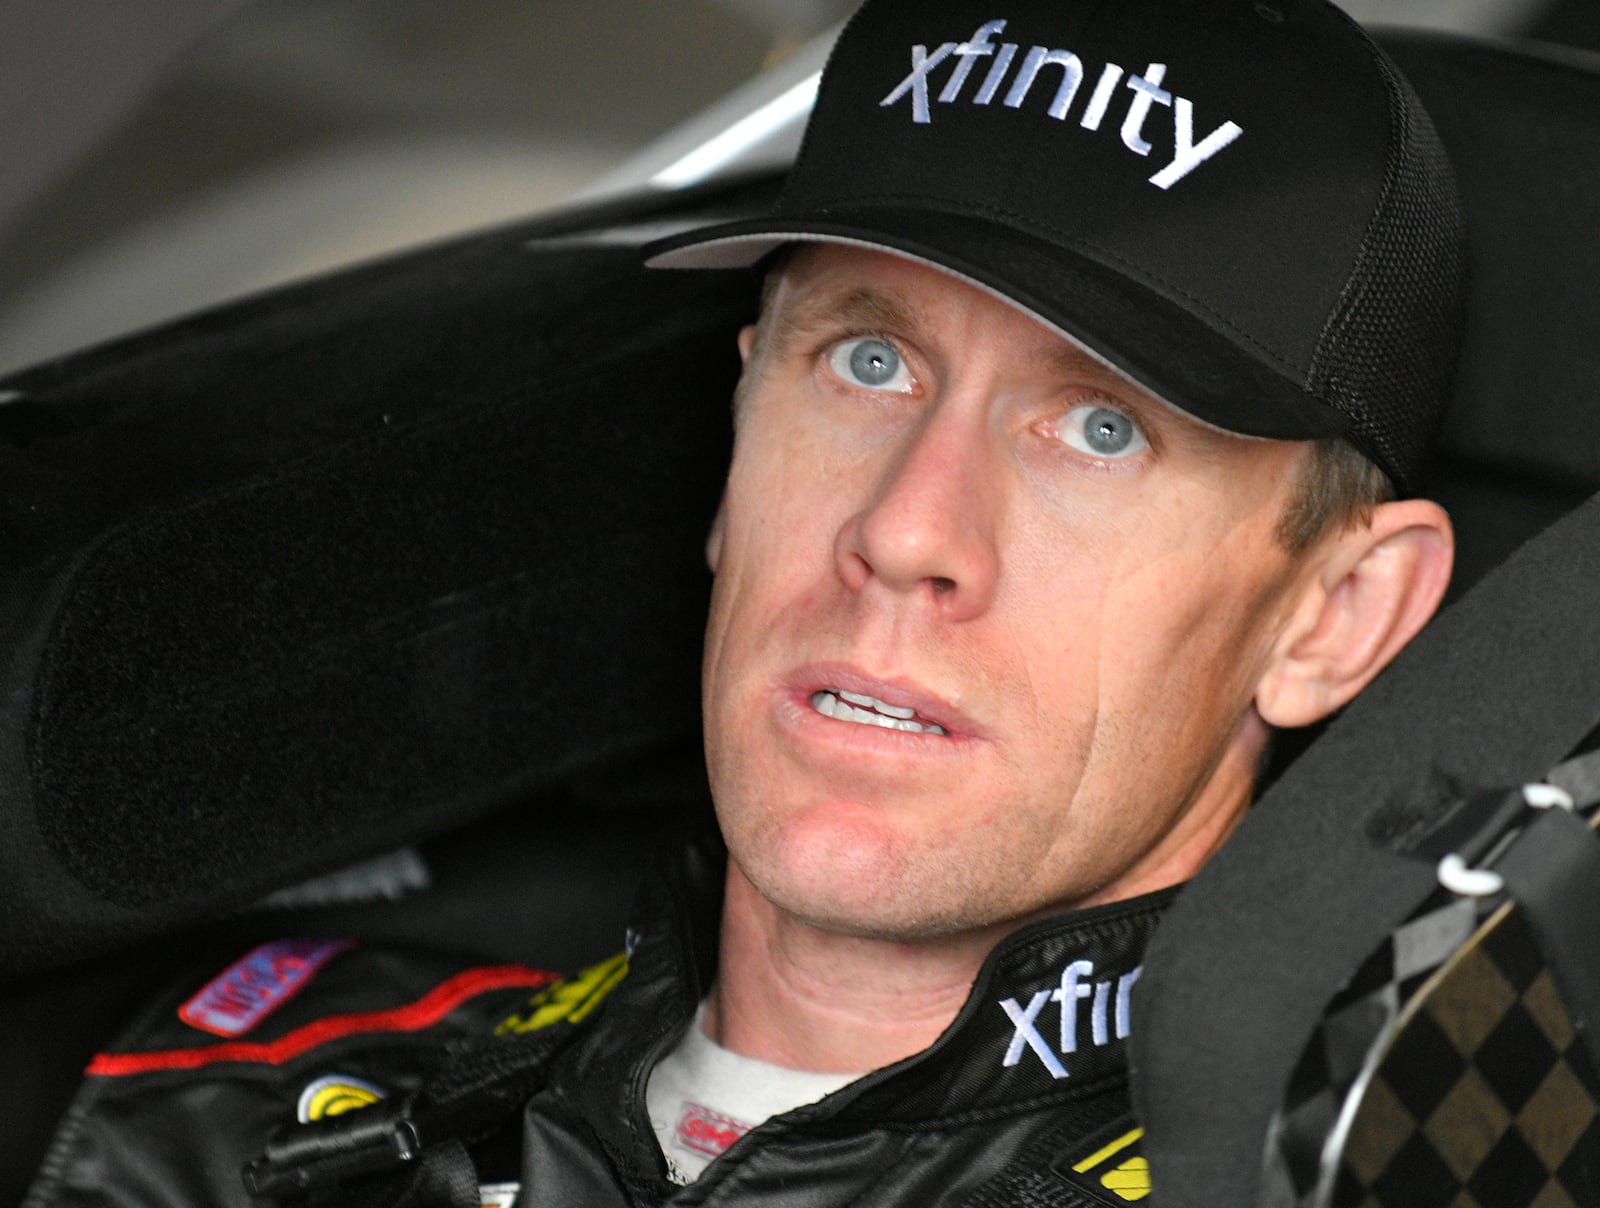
(870,363)
(1101,432)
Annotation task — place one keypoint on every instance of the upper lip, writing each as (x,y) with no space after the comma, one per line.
(892,690)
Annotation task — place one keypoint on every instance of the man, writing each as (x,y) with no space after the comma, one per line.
(1095,340)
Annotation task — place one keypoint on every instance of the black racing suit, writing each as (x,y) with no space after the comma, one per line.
(1023,1100)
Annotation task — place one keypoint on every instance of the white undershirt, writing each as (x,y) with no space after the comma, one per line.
(702,1098)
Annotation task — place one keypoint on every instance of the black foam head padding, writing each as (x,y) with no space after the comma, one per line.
(1521,442)
(1498,690)
(321,574)
(1523,129)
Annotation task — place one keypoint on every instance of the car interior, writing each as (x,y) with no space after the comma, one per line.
(371,607)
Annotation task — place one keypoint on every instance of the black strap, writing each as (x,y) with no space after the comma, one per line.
(1553,872)
(1580,778)
(445,1178)
(301,1158)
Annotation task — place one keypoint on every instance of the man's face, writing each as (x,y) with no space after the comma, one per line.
(1059,592)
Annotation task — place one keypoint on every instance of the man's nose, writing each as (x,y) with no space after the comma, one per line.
(930,526)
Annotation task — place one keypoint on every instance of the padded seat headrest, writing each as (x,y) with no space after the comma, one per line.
(333,570)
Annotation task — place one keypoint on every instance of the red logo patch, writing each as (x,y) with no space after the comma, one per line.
(703,1130)
(257,984)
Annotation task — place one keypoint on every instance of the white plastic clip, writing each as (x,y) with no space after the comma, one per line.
(1458,878)
(1546,796)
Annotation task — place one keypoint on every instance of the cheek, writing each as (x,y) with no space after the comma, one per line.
(1054,642)
(1144,634)
(792,486)
(780,516)
(1193,632)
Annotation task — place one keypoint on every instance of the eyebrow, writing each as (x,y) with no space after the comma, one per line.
(861,307)
(1069,360)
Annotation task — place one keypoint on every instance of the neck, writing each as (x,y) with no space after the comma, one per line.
(798,996)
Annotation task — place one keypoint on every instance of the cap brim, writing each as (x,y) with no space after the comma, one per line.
(1130,325)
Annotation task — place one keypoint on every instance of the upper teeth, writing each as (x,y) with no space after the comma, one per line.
(869,710)
(872,702)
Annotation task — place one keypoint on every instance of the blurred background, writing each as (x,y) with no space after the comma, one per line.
(157,156)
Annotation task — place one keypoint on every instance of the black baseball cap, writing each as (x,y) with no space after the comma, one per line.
(1240,204)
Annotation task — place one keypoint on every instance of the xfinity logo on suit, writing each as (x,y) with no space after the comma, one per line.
(1146,95)
(1103,1016)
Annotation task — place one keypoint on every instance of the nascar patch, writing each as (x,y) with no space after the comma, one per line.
(257,984)
(1111,1167)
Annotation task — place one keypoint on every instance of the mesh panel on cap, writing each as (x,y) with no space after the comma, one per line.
(1387,356)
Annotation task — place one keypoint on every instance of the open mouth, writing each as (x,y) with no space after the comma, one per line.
(870,711)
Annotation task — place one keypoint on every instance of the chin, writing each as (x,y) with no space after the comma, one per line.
(860,877)
(871,919)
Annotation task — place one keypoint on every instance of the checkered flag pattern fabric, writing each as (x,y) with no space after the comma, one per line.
(1356,1025)
(1485,1099)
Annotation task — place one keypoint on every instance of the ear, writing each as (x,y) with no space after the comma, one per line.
(714,539)
(747,342)
(1370,591)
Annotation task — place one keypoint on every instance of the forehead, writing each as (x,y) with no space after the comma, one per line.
(830,277)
